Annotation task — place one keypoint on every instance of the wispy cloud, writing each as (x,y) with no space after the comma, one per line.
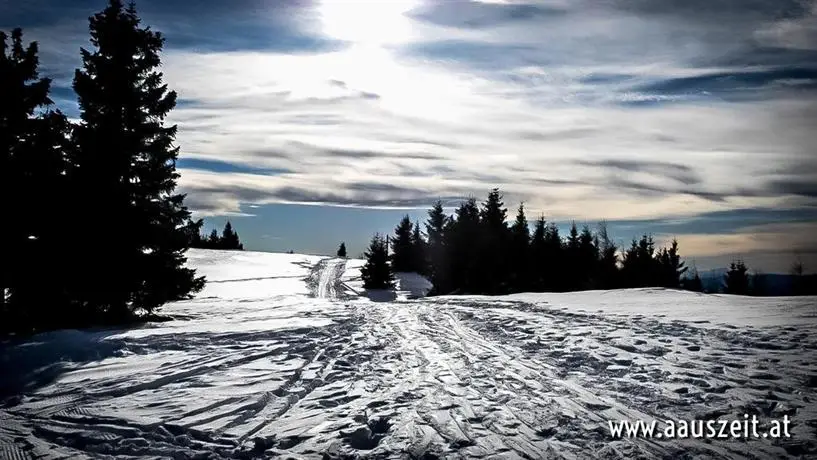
(781,238)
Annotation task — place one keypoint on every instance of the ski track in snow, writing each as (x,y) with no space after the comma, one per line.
(324,374)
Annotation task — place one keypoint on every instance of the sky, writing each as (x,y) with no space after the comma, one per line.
(307,123)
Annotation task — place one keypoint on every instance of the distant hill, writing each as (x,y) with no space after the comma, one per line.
(771,284)
(712,280)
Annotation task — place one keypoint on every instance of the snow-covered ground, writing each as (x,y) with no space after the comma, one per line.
(285,356)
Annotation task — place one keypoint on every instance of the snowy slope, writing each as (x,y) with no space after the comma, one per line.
(280,357)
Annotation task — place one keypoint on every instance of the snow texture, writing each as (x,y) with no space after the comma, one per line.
(286,356)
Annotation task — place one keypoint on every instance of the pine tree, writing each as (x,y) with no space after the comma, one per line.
(377,273)
(641,266)
(194,232)
(588,259)
(229,238)
(32,165)
(462,239)
(492,268)
(342,250)
(630,266)
(572,243)
(555,263)
(418,251)
(402,248)
(538,255)
(736,280)
(608,259)
(671,267)
(519,264)
(573,262)
(126,172)
(214,241)
(436,249)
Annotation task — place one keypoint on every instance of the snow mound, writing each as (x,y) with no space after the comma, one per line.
(407,285)
(412,285)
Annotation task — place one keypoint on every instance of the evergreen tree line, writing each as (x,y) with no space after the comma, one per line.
(475,251)
(227,240)
(98,233)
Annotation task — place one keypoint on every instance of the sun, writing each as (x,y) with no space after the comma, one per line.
(367,22)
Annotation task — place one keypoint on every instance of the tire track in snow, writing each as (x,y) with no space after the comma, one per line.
(470,378)
(325,278)
(308,358)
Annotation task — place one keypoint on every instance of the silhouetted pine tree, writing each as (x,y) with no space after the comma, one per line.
(649,275)
(573,259)
(608,259)
(462,238)
(538,256)
(640,267)
(194,231)
(418,251)
(630,266)
(402,257)
(377,273)
(587,260)
(736,280)
(438,268)
(554,260)
(492,270)
(342,250)
(229,238)
(32,181)
(213,241)
(671,267)
(519,263)
(125,173)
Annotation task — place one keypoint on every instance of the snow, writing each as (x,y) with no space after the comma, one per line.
(412,285)
(287,356)
(407,285)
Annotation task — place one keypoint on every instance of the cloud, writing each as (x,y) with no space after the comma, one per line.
(796,187)
(767,247)
(218,193)
(477,14)
(617,109)
(551,133)
(718,222)
(676,172)
(736,83)
(792,33)
(733,11)
(290,112)
(783,239)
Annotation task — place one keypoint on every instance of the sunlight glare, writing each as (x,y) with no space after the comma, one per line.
(372,22)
